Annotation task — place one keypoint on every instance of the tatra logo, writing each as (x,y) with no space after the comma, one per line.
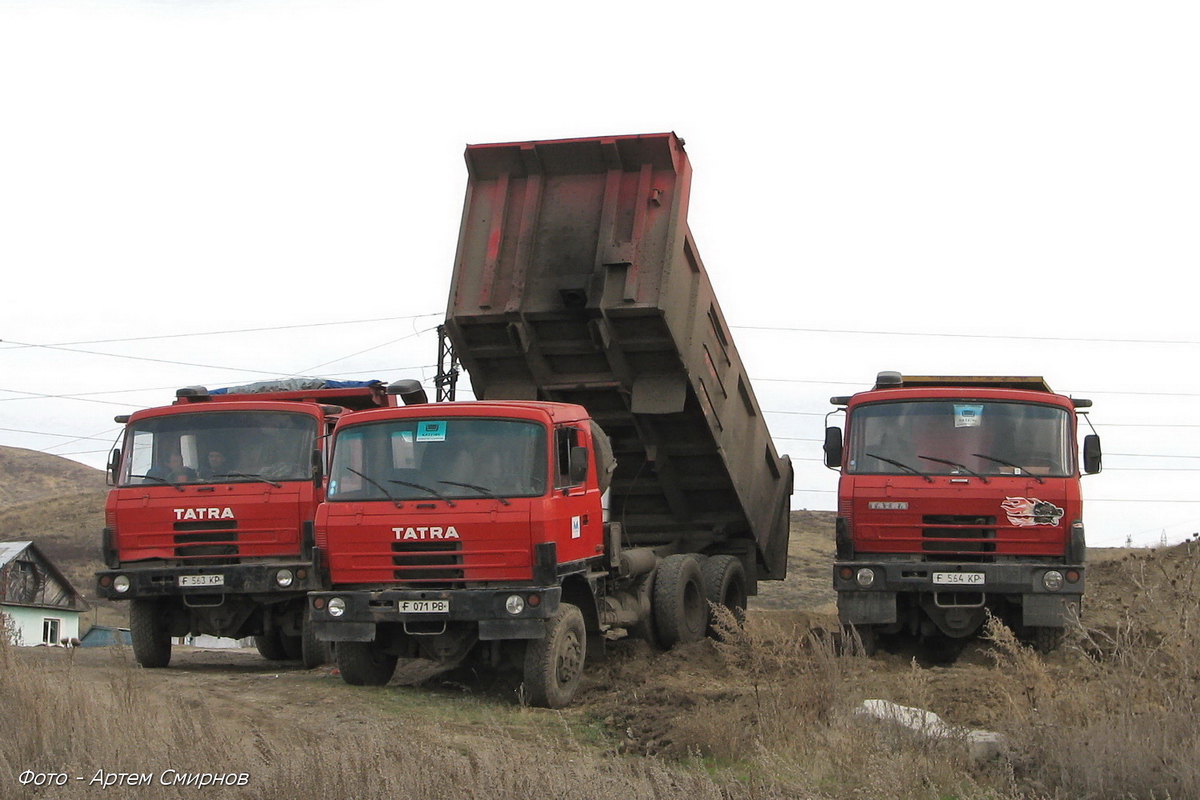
(204,513)
(421,534)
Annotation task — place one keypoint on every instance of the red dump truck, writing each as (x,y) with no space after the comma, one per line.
(614,474)
(959,497)
(209,526)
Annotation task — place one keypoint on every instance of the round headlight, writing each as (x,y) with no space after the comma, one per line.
(515,604)
(337,607)
(284,578)
(865,577)
(1053,580)
(121,584)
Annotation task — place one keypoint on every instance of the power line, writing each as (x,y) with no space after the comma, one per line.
(962,335)
(72,436)
(87,396)
(155,360)
(20,345)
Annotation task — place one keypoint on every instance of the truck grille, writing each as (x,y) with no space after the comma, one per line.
(432,564)
(207,543)
(958,534)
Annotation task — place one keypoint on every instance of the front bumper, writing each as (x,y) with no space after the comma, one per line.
(945,585)
(241,579)
(365,609)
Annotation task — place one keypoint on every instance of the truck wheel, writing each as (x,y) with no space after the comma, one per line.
(680,610)
(725,585)
(1045,640)
(147,627)
(292,647)
(554,664)
(313,652)
(270,646)
(364,664)
(868,639)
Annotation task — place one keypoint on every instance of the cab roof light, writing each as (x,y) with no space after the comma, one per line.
(888,379)
(409,391)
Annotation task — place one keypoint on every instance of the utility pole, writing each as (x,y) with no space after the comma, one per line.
(448,368)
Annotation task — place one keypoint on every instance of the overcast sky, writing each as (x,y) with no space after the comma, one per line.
(218,192)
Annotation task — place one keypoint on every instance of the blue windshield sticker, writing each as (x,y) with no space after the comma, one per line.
(967,416)
(431,431)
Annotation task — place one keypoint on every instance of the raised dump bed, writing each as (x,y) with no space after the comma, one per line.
(577,280)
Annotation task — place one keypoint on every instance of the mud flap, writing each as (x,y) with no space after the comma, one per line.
(867,608)
(344,631)
(1045,610)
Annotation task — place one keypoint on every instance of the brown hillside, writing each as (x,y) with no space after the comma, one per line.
(59,505)
(27,475)
(66,529)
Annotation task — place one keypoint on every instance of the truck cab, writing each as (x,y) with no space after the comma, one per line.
(450,526)
(959,497)
(209,525)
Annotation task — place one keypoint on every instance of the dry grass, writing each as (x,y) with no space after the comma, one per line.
(69,723)
(765,712)
(1125,722)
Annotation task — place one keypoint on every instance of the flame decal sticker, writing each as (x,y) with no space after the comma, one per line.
(1025,512)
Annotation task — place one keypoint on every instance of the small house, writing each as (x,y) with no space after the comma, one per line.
(38,604)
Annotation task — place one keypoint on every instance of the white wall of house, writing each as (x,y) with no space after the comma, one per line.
(33,626)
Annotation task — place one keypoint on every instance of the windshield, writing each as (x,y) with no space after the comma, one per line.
(942,437)
(422,459)
(219,447)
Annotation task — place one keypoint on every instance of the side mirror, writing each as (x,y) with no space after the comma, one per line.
(1092,457)
(579,465)
(833,448)
(114,465)
(317,466)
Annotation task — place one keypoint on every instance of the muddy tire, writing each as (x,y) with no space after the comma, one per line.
(365,664)
(860,640)
(148,628)
(1045,640)
(725,585)
(270,646)
(293,647)
(680,607)
(313,652)
(554,665)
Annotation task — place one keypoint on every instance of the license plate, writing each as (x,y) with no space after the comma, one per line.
(201,580)
(958,578)
(423,606)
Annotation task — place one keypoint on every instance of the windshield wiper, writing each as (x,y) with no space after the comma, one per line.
(160,480)
(963,467)
(481,489)
(377,485)
(433,492)
(902,466)
(1023,470)
(249,477)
